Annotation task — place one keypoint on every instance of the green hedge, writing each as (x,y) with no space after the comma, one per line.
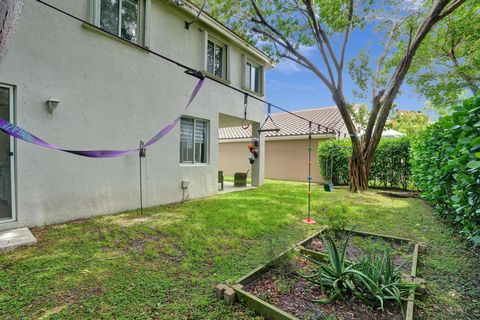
(390,167)
(446,167)
(340,151)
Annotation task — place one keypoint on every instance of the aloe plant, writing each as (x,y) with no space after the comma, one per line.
(335,274)
(373,279)
(378,281)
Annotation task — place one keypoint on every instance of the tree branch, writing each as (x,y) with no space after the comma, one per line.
(305,61)
(344,46)
(401,70)
(312,20)
(452,8)
(322,33)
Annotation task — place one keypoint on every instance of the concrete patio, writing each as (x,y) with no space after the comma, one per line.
(228,187)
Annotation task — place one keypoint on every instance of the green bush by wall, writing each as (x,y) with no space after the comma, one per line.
(390,167)
(333,157)
(446,167)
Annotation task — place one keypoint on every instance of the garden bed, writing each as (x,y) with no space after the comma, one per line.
(277,291)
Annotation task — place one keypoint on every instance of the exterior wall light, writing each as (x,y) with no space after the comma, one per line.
(52,104)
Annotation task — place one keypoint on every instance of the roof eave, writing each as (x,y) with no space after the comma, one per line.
(193,10)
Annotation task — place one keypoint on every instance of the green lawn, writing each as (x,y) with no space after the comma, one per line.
(165,263)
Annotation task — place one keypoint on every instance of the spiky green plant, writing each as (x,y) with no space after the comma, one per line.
(373,279)
(377,280)
(334,275)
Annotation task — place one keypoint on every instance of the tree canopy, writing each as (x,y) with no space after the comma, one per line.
(447,64)
(409,122)
(282,27)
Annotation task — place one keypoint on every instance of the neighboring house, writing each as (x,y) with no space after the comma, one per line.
(286,151)
(113,94)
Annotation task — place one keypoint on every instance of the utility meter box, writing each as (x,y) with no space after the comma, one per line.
(185,184)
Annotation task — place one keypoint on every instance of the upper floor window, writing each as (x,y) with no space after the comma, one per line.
(253,76)
(121,18)
(193,140)
(216,58)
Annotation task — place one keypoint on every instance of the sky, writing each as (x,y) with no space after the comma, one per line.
(293,87)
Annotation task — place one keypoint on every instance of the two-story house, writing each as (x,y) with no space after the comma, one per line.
(112,93)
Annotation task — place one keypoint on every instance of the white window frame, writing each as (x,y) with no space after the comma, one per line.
(261,76)
(143,23)
(207,143)
(226,56)
(13,193)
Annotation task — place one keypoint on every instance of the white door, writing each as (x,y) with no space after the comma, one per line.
(7,160)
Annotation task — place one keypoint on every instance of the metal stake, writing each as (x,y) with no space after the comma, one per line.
(309,220)
(141,154)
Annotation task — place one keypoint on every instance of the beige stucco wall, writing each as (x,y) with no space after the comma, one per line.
(284,159)
(233,157)
(112,96)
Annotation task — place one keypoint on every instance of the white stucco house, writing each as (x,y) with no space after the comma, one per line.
(112,94)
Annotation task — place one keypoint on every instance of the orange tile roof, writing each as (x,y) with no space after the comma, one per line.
(289,125)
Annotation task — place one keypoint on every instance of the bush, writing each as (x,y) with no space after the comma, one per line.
(333,157)
(390,166)
(337,219)
(446,167)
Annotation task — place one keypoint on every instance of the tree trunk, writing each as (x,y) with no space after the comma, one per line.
(358,167)
(358,170)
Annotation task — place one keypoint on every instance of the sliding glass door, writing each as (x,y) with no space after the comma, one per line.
(7,203)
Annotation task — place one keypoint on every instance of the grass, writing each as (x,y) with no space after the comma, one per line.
(164,264)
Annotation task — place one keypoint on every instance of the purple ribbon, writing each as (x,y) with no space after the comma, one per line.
(24,135)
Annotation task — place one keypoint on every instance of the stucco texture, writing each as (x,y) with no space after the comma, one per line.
(112,95)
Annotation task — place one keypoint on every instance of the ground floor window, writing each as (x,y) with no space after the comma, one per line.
(194,140)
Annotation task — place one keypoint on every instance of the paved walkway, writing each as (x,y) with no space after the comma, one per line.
(228,187)
(11,239)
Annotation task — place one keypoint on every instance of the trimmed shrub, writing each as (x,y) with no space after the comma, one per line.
(333,157)
(390,166)
(446,167)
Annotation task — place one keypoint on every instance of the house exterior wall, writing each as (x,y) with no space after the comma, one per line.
(112,96)
(284,159)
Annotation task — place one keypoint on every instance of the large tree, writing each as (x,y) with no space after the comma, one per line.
(283,26)
(447,63)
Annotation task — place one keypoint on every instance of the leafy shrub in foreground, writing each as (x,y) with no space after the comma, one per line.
(446,167)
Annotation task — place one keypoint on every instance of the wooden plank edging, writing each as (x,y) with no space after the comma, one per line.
(411,297)
(263,308)
(271,312)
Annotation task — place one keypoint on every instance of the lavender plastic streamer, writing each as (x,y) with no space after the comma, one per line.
(24,135)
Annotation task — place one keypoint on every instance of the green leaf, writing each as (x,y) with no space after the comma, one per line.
(476,142)
(475,240)
(474,164)
(477,154)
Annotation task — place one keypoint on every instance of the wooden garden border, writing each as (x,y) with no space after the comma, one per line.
(271,312)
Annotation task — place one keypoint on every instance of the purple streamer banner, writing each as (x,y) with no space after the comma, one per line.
(21,134)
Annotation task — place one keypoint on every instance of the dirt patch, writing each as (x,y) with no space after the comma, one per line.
(284,288)
(399,194)
(154,220)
